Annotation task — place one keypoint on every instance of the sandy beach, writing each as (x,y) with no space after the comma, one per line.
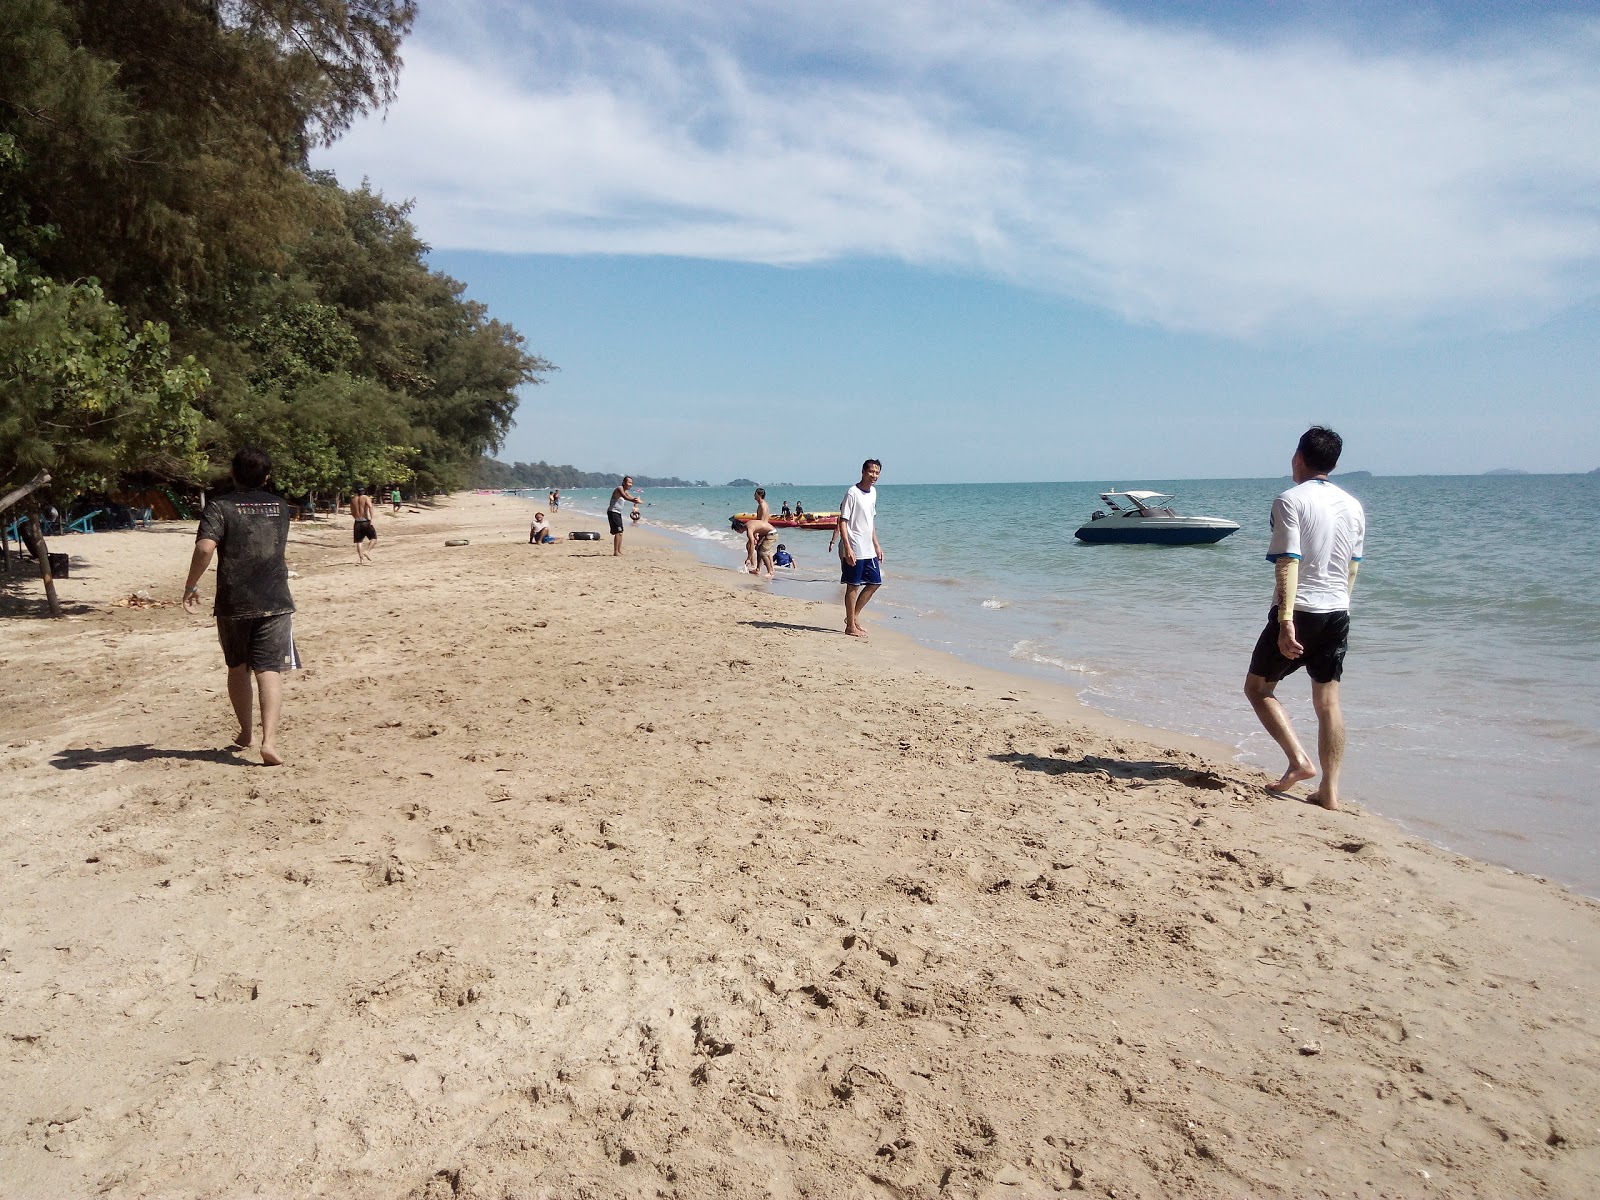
(594,877)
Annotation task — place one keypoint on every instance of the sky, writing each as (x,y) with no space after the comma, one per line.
(992,240)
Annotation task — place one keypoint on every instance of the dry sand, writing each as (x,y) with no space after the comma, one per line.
(597,877)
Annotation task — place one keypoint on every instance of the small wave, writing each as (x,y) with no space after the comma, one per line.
(996,602)
(700,532)
(1026,651)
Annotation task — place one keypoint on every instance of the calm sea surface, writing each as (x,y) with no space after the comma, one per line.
(1472,689)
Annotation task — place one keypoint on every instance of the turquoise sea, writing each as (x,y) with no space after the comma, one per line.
(1472,689)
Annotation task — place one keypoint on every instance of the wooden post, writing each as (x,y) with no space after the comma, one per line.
(32,534)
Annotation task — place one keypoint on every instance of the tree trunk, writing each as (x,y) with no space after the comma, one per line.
(32,534)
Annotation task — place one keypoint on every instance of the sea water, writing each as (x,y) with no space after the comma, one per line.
(1472,688)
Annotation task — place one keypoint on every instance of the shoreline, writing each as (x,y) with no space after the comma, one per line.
(1047,697)
(612,875)
(1482,837)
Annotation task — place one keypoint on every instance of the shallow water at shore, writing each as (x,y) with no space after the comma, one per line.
(1470,693)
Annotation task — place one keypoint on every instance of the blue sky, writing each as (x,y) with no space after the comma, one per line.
(1014,240)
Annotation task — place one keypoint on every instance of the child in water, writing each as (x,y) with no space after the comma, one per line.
(783,558)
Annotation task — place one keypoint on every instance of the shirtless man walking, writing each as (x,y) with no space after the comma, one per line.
(860,556)
(361,511)
(1318,532)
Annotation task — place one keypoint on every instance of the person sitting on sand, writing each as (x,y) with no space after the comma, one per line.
(783,558)
(541,534)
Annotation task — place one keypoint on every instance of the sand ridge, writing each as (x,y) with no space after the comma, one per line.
(596,877)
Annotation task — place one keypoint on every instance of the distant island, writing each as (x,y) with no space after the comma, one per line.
(1506,471)
(1354,475)
(741,483)
(492,473)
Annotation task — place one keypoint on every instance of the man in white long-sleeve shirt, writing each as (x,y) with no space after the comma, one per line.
(1318,533)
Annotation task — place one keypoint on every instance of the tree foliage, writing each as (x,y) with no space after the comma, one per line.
(84,396)
(493,473)
(153,190)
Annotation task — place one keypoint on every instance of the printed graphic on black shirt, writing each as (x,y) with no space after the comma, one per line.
(251,530)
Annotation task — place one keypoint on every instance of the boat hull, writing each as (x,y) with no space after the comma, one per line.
(1152,532)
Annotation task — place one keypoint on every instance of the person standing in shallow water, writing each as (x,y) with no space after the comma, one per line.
(860,556)
(1318,533)
(249,529)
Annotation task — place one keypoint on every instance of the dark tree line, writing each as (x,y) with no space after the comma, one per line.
(174,280)
(492,473)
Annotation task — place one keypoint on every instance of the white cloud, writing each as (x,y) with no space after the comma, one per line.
(1172,176)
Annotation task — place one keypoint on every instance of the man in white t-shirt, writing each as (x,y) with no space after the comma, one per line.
(860,556)
(1318,533)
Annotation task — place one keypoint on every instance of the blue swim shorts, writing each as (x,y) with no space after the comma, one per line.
(865,571)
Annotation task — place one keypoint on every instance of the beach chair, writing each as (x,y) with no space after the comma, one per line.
(83,524)
(14,530)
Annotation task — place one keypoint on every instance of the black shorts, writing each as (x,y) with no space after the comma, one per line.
(1325,637)
(262,643)
(365,531)
(616,521)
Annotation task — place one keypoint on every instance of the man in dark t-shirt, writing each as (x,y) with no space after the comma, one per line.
(249,529)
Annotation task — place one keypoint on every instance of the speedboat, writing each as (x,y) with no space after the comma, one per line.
(1150,518)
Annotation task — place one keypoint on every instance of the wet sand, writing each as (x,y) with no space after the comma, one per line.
(598,877)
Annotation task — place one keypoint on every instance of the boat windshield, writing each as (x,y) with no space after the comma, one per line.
(1143,504)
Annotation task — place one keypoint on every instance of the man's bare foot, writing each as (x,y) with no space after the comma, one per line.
(857,631)
(241,740)
(1331,803)
(270,757)
(1294,775)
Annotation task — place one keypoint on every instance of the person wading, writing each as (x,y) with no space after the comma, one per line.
(1318,533)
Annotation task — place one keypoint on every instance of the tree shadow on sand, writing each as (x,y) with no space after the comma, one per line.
(788,625)
(80,760)
(1115,768)
(22,593)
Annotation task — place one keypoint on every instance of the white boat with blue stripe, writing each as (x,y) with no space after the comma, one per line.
(1149,518)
